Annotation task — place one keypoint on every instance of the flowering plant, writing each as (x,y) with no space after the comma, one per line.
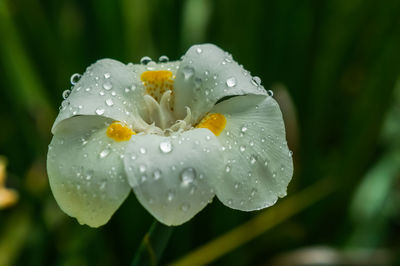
(177,133)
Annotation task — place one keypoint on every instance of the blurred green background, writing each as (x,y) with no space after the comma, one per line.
(334,66)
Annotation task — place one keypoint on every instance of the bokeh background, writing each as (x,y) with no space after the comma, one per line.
(334,66)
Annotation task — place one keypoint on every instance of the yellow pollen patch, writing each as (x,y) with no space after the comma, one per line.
(119,132)
(214,122)
(157,82)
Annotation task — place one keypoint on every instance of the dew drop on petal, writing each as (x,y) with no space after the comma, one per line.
(170,196)
(242,148)
(256,81)
(188,72)
(185,207)
(104,153)
(199,50)
(243,129)
(75,78)
(253,159)
(187,176)
(142,150)
(227,169)
(270,93)
(163,59)
(145,60)
(231,82)
(165,146)
(99,111)
(65,94)
(107,86)
(109,102)
(142,168)
(107,75)
(157,174)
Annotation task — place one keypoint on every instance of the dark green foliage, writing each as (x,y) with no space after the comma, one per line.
(338,59)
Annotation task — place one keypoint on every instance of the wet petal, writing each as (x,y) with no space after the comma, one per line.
(206,75)
(258,162)
(112,89)
(86,170)
(169,174)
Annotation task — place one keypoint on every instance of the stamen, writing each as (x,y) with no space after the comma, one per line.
(119,131)
(214,122)
(157,82)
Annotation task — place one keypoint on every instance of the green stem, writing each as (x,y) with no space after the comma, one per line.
(153,245)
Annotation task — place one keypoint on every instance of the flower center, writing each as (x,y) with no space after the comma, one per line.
(157,83)
(214,122)
(119,131)
(157,116)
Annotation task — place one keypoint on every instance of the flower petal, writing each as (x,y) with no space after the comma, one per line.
(258,162)
(112,89)
(169,174)
(206,75)
(86,171)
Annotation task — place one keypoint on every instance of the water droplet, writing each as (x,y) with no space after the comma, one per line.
(197,83)
(256,81)
(163,59)
(89,175)
(65,94)
(187,176)
(199,50)
(107,86)
(165,146)
(142,168)
(99,111)
(229,202)
(253,192)
(242,148)
(75,78)
(107,75)
(145,60)
(227,169)
(253,159)
(243,129)
(109,102)
(171,195)
(185,207)
(231,82)
(188,72)
(270,93)
(290,153)
(236,185)
(208,137)
(157,174)
(142,150)
(104,153)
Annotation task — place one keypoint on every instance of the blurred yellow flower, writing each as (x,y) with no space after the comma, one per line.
(8,197)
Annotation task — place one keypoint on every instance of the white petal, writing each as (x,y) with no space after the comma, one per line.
(258,162)
(169,174)
(112,89)
(206,75)
(86,171)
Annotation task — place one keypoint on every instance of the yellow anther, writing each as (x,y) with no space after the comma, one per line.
(119,131)
(157,82)
(214,122)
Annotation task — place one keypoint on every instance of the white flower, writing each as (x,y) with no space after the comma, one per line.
(177,133)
